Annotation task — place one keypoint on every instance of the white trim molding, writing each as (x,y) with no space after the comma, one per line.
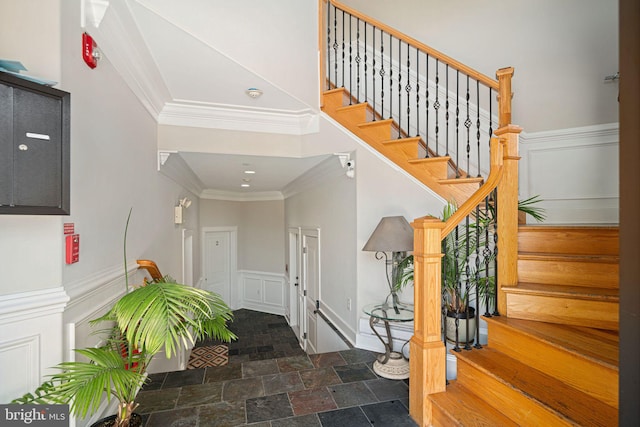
(575,173)
(262,291)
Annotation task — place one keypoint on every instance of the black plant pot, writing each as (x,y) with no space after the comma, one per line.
(136,421)
(450,326)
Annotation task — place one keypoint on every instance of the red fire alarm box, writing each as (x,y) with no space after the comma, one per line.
(72,252)
(89,51)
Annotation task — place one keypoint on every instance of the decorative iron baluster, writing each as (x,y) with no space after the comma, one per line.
(436,105)
(446,114)
(457,284)
(328,69)
(366,65)
(358,59)
(418,92)
(426,107)
(457,123)
(382,73)
(467,270)
(335,46)
(496,312)
(373,72)
(399,87)
(408,90)
(477,274)
(343,49)
(467,124)
(478,124)
(487,252)
(390,76)
(350,61)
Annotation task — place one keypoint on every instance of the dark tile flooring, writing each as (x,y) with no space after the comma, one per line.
(270,382)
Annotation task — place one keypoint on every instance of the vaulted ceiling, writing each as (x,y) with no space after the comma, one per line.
(191,63)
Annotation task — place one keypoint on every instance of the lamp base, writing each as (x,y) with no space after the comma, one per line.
(396,368)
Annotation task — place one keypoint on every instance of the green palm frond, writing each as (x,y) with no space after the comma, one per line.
(168,314)
(528,206)
(84,384)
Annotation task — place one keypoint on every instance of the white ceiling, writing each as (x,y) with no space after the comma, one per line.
(204,55)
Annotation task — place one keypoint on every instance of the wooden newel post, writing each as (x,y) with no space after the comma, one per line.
(504,76)
(427,357)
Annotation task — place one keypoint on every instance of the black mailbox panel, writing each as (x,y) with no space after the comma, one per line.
(34,148)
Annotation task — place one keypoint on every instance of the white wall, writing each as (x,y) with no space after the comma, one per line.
(347,211)
(113,169)
(260,230)
(561,51)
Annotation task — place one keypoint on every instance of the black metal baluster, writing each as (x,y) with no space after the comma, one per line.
(366,65)
(458,284)
(457,123)
(487,253)
(417,92)
(496,312)
(390,76)
(373,73)
(408,90)
(477,277)
(328,69)
(436,105)
(399,87)
(467,124)
(446,114)
(335,46)
(350,61)
(426,107)
(358,59)
(382,73)
(343,49)
(467,286)
(478,124)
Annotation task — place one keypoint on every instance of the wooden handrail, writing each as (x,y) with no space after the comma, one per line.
(495,175)
(487,81)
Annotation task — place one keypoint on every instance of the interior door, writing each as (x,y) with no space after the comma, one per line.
(217,265)
(311,280)
(296,319)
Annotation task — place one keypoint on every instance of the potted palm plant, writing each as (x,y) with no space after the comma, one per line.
(161,314)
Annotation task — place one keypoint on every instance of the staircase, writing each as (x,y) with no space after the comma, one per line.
(554,359)
(404,152)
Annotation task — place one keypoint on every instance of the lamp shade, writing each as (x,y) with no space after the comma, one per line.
(393,234)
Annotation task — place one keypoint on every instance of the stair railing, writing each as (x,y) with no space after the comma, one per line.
(452,108)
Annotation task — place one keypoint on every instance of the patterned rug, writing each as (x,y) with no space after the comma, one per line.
(213,355)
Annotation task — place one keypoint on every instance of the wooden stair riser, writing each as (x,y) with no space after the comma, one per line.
(438,167)
(512,402)
(580,372)
(569,240)
(332,100)
(459,407)
(406,146)
(597,273)
(352,115)
(564,310)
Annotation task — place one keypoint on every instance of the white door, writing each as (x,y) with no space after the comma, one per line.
(311,281)
(295,290)
(217,263)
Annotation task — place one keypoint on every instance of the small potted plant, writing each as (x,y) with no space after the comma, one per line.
(159,315)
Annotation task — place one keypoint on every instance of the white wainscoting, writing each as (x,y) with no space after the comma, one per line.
(262,291)
(575,172)
(31,339)
(400,331)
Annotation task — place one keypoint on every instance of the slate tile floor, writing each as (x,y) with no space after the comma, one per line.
(270,382)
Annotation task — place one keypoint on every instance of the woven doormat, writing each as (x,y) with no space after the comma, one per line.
(213,355)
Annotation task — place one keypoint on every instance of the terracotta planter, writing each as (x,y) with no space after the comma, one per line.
(450,326)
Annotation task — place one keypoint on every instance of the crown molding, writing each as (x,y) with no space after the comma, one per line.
(331,167)
(236,196)
(173,166)
(585,135)
(120,41)
(233,117)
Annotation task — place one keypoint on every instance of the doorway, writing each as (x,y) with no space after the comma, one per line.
(311,286)
(219,262)
(296,302)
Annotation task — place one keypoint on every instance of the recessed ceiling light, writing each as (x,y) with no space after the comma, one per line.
(249,172)
(245,185)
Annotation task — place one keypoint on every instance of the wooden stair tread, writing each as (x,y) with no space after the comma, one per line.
(542,389)
(577,292)
(444,159)
(463,408)
(479,180)
(596,258)
(599,346)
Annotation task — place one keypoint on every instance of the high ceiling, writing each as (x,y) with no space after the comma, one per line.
(191,63)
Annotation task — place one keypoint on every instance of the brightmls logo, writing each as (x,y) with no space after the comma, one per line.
(34,415)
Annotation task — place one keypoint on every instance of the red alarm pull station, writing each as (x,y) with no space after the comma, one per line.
(72,244)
